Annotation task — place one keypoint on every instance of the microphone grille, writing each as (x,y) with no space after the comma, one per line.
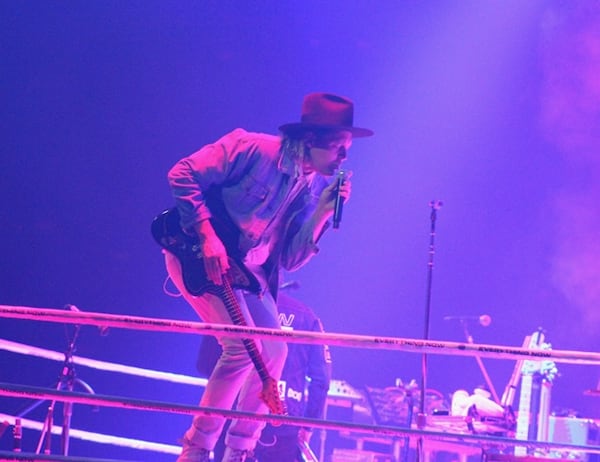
(485,320)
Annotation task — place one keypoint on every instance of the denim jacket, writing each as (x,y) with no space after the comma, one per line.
(253,181)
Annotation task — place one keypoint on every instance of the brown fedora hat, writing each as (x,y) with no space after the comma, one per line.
(325,110)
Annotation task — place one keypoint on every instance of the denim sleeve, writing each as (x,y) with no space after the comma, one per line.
(213,164)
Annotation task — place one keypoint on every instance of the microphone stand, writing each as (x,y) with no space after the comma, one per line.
(421,416)
(66,381)
(484,372)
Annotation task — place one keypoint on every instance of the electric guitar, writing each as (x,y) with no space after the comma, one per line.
(528,420)
(167,232)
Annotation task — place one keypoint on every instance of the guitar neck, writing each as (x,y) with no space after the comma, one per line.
(270,392)
(524,415)
(237,317)
(508,396)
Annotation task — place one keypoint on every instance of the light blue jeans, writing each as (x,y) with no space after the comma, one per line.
(234,373)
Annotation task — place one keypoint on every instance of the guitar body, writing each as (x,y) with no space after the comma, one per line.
(167,232)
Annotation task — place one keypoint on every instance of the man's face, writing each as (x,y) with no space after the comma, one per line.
(327,152)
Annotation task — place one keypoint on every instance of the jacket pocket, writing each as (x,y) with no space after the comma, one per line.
(248,195)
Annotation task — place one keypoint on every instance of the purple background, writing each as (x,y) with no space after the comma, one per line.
(490,106)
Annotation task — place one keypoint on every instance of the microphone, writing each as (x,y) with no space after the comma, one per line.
(103,329)
(436,205)
(485,319)
(339,201)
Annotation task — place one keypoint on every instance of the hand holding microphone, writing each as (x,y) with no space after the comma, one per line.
(342,193)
